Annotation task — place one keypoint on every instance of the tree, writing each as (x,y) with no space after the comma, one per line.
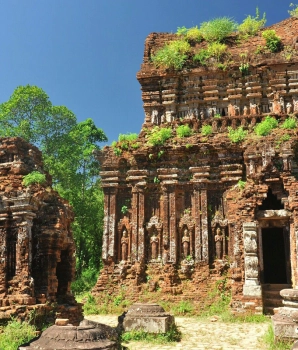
(68,152)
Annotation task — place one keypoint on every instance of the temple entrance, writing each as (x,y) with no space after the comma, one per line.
(275,243)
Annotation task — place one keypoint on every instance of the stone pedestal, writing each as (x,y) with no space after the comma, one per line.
(151,318)
(285,320)
(89,335)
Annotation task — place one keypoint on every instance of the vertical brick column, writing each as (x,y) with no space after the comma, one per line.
(204,223)
(141,219)
(134,223)
(110,198)
(137,221)
(165,208)
(197,214)
(172,224)
(2,258)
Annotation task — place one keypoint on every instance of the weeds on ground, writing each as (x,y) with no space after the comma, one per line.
(172,335)
(273,344)
(15,334)
(184,307)
(109,304)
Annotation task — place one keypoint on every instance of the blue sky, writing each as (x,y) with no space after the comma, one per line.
(85,53)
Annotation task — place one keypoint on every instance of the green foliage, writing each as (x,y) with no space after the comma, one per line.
(184,307)
(294,11)
(172,55)
(217,116)
(217,29)
(124,209)
(244,68)
(85,281)
(273,42)
(276,344)
(264,128)
(181,30)
(172,335)
(202,57)
(15,334)
(251,25)
(156,180)
(125,141)
(289,123)
(285,137)
(69,153)
(35,177)
(206,130)
(158,136)
(241,184)
(191,34)
(183,131)
(237,135)
(217,50)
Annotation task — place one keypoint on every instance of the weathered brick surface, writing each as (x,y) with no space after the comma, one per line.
(187,218)
(37,248)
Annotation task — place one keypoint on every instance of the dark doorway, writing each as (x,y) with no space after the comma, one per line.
(275,253)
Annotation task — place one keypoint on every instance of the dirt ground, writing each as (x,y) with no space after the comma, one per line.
(199,335)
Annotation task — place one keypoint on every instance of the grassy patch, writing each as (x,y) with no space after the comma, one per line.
(206,130)
(15,334)
(275,344)
(159,136)
(173,335)
(183,131)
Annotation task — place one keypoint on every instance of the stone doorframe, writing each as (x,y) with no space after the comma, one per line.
(274,218)
(253,252)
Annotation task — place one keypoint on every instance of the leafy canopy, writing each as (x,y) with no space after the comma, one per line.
(69,154)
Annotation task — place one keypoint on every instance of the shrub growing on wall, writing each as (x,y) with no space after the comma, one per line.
(183,131)
(218,29)
(35,177)
(264,128)
(273,42)
(251,25)
(172,55)
(158,136)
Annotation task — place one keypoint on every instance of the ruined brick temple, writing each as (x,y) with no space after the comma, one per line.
(181,215)
(36,245)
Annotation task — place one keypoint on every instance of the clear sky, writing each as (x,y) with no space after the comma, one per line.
(85,53)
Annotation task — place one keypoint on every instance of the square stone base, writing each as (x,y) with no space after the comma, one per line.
(285,328)
(150,324)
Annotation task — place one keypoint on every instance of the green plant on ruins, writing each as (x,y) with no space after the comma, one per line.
(289,123)
(192,34)
(172,55)
(206,130)
(273,42)
(251,25)
(35,177)
(158,136)
(237,135)
(294,11)
(266,126)
(202,57)
(125,141)
(217,29)
(217,50)
(184,131)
